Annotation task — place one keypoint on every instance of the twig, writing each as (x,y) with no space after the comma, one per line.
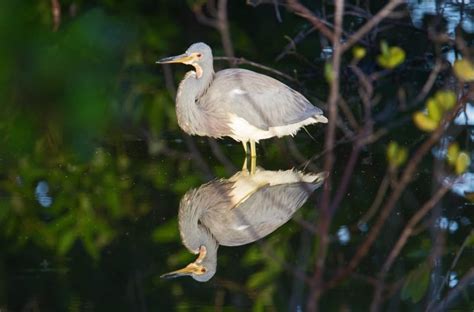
(56,13)
(406,233)
(217,151)
(223,27)
(325,218)
(397,192)
(371,23)
(301,10)
(377,201)
(451,268)
(463,283)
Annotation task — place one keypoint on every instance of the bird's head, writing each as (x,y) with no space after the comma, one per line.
(202,270)
(197,55)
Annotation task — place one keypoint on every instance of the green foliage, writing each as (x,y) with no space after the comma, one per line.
(464,70)
(457,159)
(396,155)
(416,283)
(359,52)
(436,107)
(390,57)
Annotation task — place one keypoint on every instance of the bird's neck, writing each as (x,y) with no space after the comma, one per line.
(193,233)
(191,116)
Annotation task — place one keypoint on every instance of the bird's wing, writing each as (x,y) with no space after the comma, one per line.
(265,211)
(259,99)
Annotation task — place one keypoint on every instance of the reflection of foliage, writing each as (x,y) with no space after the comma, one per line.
(89,200)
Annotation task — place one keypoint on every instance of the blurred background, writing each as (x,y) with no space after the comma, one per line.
(93,164)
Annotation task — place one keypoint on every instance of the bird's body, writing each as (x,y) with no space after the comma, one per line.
(237,103)
(251,107)
(240,210)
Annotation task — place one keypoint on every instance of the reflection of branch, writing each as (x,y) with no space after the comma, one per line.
(451,268)
(463,283)
(361,32)
(301,10)
(56,12)
(217,151)
(407,232)
(325,218)
(397,192)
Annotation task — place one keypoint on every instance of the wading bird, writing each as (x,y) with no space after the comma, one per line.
(238,211)
(237,103)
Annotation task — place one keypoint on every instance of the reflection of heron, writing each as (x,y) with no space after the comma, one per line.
(238,211)
(237,103)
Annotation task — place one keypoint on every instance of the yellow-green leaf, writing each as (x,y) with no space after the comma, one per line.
(416,283)
(445,99)
(434,111)
(423,122)
(464,70)
(462,163)
(392,151)
(328,72)
(402,156)
(359,52)
(391,58)
(453,153)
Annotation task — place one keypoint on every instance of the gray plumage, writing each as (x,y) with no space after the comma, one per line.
(208,103)
(240,210)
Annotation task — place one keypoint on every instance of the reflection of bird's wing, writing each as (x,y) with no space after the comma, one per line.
(261,100)
(263,212)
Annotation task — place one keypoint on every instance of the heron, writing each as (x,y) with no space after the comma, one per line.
(237,103)
(238,211)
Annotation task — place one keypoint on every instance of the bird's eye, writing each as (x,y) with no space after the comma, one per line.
(199,55)
(203,270)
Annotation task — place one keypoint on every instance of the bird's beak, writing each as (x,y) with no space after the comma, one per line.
(183,58)
(192,268)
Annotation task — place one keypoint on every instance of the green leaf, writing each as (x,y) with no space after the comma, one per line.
(391,57)
(464,70)
(66,241)
(328,72)
(423,122)
(359,52)
(392,151)
(434,110)
(453,153)
(470,240)
(416,283)
(462,163)
(402,156)
(446,99)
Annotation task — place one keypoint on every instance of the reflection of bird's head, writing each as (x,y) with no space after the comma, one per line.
(197,55)
(202,270)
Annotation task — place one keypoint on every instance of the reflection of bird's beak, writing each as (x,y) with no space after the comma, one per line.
(183,58)
(178,273)
(194,267)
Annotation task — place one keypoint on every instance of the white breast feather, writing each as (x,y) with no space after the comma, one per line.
(244,131)
(246,184)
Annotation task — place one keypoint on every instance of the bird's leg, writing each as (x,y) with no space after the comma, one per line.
(253,157)
(244,167)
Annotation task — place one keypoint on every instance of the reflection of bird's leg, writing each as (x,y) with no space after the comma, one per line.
(253,157)
(244,167)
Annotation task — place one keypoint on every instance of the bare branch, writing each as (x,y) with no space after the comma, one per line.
(301,10)
(371,23)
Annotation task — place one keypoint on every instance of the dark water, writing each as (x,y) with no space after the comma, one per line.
(93,164)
